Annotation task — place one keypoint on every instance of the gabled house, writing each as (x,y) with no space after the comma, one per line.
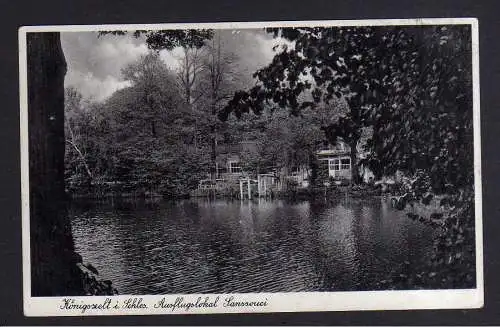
(336,160)
(229,162)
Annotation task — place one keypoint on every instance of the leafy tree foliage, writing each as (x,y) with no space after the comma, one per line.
(321,65)
(170,39)
(188,73)
(413,87)
(286,141)
(53,260)
(424,127)
(218,81)
(425,119)
(78,128)
(164,127)
(138,136)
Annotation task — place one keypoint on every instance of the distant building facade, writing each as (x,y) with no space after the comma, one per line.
(336,160)
(229,162)
(334,163)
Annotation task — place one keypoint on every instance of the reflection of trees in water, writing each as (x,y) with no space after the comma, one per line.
(337,247)
(246,220)
(218,244)
(96,233)
(356,242)
(233,246)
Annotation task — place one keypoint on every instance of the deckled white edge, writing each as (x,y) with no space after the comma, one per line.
(276,302)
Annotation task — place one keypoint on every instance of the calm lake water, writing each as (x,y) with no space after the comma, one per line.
(201,246)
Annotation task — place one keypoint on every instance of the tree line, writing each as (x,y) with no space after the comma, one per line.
(411,85)
(163,132)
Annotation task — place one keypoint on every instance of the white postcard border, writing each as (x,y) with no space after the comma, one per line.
(275,302)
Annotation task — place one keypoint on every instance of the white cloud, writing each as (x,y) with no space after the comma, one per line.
(111,55)
(267,43)
(95,63)
(171,58)
(92,87)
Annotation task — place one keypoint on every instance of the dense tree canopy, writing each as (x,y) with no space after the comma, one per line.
(410,86)
(142,134)
(395,79)
(413,87)
(53,260)
(170,39)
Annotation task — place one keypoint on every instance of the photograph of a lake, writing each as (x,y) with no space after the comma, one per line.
(221,246)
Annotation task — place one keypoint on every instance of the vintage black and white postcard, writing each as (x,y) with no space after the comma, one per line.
(251,167)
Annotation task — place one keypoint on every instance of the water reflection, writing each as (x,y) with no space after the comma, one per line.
(200,246)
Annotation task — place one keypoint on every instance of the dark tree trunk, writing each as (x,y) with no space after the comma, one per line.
(53,260)
(188,92)
(314,167)
(213,130)
(213,156)
(354,162)
(153,128)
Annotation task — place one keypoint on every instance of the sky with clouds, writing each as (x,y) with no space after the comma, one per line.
(95,62)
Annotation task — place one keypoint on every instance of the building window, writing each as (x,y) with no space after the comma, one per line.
(221,169)
(295,171)
(339,164)
(234,167)
(345,163)
(334,164)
